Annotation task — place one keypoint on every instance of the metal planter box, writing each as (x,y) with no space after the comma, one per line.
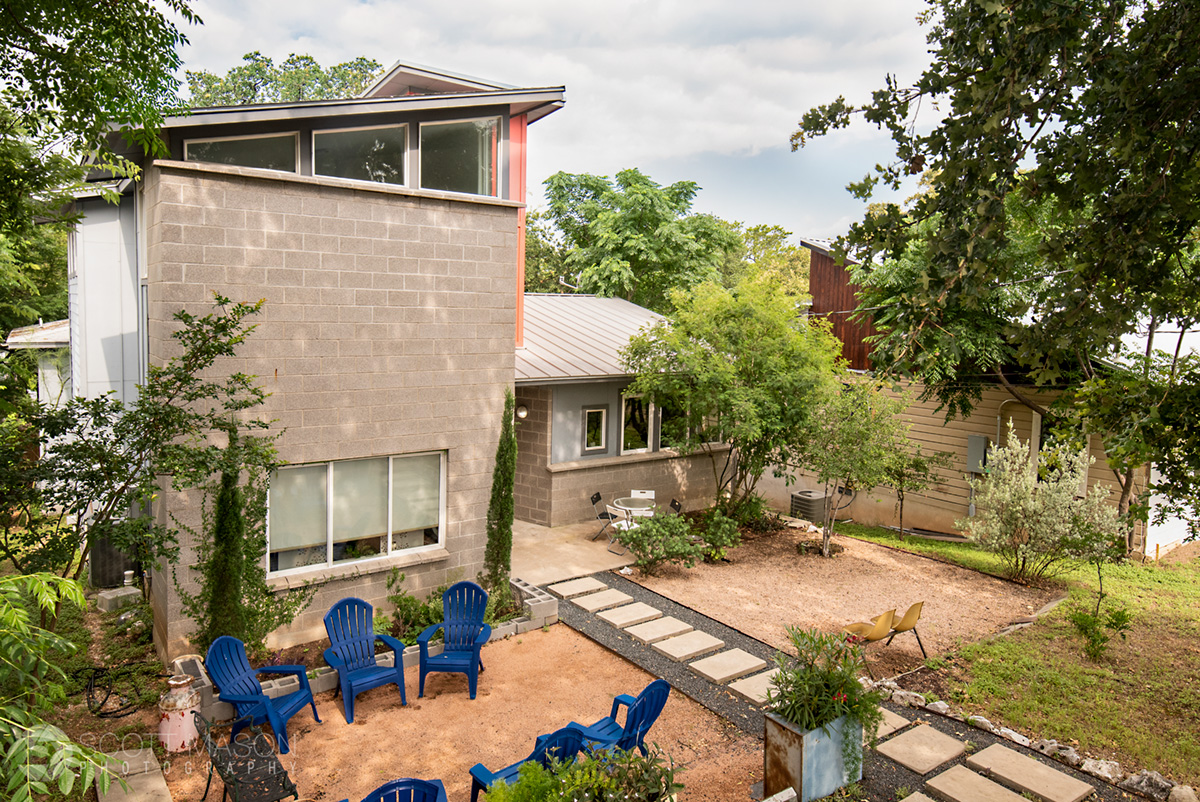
(811,762)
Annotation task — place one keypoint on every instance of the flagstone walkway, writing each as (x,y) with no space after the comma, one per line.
(928,755)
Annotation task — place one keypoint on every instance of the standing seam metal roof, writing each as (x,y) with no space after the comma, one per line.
(577,336)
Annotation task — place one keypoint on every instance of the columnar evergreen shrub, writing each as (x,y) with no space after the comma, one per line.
(497,556)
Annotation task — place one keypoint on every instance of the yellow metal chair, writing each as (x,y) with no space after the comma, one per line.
(878,629)
(909,624)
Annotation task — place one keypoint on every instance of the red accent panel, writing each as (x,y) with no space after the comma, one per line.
(834,296)
(517,129)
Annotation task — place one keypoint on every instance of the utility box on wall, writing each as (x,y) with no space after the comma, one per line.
(977,449)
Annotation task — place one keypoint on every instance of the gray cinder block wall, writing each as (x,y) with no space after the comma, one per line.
(531,485)
(388,329)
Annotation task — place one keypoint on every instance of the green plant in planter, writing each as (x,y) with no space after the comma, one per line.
(820,685)
(610,774)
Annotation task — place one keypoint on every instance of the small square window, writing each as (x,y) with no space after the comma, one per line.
(595,429)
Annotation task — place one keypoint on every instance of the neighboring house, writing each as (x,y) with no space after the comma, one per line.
(937,509)
(578,432)
(51,341)
(385,234)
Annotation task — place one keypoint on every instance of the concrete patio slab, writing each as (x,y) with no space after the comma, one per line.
(960,784)
(921,749)
(684,647)
(728,666)
(149,786)
(542,555)
(754,689)
(630,614)
(1025,774)
(659,629)
(892,722)
(595,602)
(576,587)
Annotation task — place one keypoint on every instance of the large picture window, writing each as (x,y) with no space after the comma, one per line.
(338,512)
(461,156)
(269,152)
(363,154)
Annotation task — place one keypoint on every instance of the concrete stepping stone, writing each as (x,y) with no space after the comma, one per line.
(917,797)
(960,784)
(1025,774)
(754,689)
(659,629)
(630,614)
(576,587)
(685,647)
(595,602)
(728,666)
(892,722)
(148,786)
(126,763)
(921,749)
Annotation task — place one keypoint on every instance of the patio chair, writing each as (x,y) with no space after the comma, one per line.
(407,789)
(908,624)
(561,745)
(639,718)
(463,635)
(878,629)
(351,627)
(601,515)
(641,494)
(676,507)
(623,522)
(237,682)
(247,766)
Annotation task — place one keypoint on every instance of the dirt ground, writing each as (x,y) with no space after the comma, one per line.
(766,586)
(534,683)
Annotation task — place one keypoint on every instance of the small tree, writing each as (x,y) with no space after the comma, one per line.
(853,432)
(1037,525)
(911,472)
(497,557)
(736,374)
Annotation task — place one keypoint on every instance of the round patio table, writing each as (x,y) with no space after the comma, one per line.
(637,507)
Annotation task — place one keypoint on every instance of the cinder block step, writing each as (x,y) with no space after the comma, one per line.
(685,647)
(659,629)
(728,666)
(630,614)
(1025,774)
(891,723)
(754,689)
(960,784)
(921,749)
(576,587)
(595,602)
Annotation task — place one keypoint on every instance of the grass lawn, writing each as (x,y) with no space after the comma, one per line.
(1140,704)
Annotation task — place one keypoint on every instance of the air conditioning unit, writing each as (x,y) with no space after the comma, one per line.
(808,505)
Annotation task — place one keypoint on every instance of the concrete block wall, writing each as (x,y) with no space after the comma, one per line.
(388,329)
(531,488)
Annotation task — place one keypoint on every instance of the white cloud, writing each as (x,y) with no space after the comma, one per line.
(648,83)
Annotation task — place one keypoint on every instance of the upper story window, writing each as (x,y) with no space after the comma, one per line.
(337,512)
(461,156)
(268,152)
(363,154)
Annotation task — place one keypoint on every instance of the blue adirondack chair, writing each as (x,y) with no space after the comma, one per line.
(407,790)
(641,715)
(561,744)
(351,627)
(226,663)
(463,633)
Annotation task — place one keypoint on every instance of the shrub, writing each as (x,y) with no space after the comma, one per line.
(411,615)
(616,774)
(1032,519)
(660,539)
(720,535)
(1093,625)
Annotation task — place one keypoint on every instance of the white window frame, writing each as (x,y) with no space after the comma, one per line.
(501,150)
(329,490)
(408,149)
(603,410)
(277,135)
(651,429)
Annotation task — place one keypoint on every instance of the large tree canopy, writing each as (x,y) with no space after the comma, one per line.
(1088,110)
(635,239)
(298,77)
(69,72)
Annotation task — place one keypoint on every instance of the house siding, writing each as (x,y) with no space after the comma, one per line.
(387,328)
(834,297)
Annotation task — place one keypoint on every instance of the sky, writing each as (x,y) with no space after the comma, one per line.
(700,90)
